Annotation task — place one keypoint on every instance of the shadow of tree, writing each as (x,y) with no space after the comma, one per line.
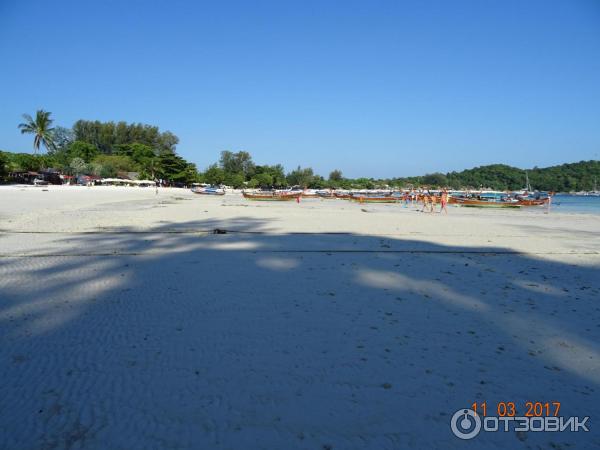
(178,337)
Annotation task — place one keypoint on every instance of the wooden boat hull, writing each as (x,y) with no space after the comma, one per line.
(376,199)
(530,202)
(485,204)
(272,197)
(208,193)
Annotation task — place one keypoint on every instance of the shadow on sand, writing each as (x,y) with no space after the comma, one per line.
(177,338)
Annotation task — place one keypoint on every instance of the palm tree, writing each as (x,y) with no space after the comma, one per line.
(40,127)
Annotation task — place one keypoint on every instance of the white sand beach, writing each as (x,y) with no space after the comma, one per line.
(127,323)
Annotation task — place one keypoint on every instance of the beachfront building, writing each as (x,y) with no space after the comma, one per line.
(49,176)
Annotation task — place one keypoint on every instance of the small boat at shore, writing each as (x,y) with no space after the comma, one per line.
(310,193)
(526,198)
(343,196)
(373,199)
(325,194)
(208,191)
(484,199)
(533,201)
(479,203)
(272,196)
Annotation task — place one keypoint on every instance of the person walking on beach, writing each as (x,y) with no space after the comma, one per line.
(444,201)
(427,202)
(424,199)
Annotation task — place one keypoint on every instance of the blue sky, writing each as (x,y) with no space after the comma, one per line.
(374,88)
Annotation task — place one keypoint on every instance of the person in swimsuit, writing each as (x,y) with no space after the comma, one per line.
(444,201)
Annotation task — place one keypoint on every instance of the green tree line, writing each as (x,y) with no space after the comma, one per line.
(84,158)
(108,148)
(580,176)
(238,170)
(99,148)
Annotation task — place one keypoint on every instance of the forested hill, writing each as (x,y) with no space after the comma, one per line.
(579,176)
(564,178)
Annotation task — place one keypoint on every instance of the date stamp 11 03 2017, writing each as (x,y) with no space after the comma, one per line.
(528,416)
(513,409)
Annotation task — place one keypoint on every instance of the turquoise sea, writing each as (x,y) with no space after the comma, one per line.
(576,204)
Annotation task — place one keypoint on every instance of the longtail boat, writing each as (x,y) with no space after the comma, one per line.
(342,196)
(272,196)
(368,199)
(533,198)
(533,202)
(326,195)
(310,194)
(473,202)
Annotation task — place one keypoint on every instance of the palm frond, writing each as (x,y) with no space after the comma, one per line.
(49,144)
(26,128)
(36,142)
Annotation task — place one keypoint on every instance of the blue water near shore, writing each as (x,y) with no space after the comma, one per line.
(576,204)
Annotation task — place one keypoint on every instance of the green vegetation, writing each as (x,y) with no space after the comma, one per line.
(106,136)
(109,166)
(564,178)
(77,166)
(23,162)
(302,177)
(239,164)
(276,175)
(3,165)
(121,147)
(214,175)
(107,149)
(41,129)
(581,176)
(336,176)
(104,149)
(83,150)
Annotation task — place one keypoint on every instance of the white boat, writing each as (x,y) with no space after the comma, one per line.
(208,190)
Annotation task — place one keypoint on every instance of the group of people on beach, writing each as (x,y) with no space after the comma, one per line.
(428,200)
